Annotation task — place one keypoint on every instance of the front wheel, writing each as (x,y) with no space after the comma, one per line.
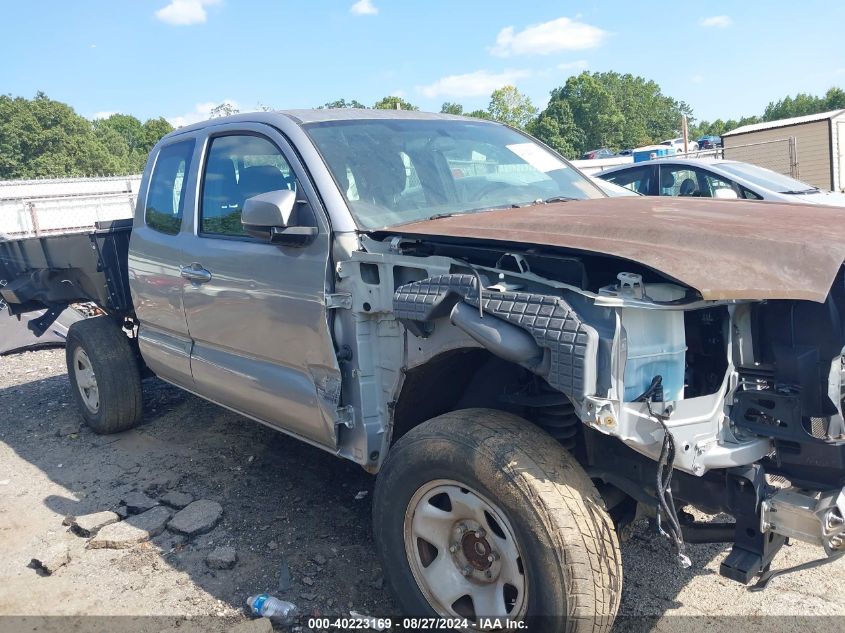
(104,375)
(479,514)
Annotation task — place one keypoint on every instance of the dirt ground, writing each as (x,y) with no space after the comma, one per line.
(289,509)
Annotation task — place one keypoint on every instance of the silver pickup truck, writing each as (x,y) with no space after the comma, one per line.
(528,365)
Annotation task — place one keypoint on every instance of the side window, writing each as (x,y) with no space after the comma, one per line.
(636,179)
(678,181)
(750,195)
(712,182)
(166,196)
(239,167)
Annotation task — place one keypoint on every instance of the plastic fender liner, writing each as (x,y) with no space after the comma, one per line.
(551,321)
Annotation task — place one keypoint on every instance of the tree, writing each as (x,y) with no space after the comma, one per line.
(343,103)
(608,110)
(154,130)
(394,103)
(508,105)
(803,104)
(44,138)
(556,128)
(479,114)
(451,108)
(224,109)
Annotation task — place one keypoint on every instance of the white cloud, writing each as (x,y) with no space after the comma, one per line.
(563,34)
(578,64)
(201,112)
(697,79)
(363,7)
(185,12)
(717,21)
(477,84)
(105,114)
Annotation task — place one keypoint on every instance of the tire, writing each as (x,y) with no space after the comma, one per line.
(104,375)
(542,500)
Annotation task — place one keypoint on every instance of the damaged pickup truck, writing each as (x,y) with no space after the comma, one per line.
(528,365)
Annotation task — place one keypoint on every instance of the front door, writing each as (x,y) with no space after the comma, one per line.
(256,311)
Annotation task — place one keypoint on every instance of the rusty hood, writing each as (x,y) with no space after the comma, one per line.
(725,249)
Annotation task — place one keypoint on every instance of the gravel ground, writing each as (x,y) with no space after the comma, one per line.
(289,510)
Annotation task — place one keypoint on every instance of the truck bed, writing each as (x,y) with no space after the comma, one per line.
(52,272)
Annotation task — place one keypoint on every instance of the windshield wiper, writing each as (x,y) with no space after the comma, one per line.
(802,192)
(558,199)
(440,216)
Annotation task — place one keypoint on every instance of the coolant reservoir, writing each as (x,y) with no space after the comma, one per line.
(656,339)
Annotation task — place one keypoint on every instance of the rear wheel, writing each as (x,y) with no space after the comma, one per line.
(104,375)
(479,514)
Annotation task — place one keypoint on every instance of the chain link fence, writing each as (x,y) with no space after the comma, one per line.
(780,155)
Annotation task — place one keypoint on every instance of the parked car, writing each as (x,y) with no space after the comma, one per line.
(678,144)
(528,365)
(716,178)
(625,152)
(598,153)
(709,142)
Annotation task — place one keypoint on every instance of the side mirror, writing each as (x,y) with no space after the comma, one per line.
(269,216)
(724,193)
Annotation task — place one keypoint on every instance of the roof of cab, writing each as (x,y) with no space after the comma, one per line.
(302,117)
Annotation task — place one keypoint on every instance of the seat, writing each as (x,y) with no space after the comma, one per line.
(379,178)
(689,188)
(260,179)
(220,191)
(667,179)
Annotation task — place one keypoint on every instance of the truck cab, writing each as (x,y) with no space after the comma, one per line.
(527,365)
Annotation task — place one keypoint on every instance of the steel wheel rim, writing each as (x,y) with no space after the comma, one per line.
(86,381)
(463,554)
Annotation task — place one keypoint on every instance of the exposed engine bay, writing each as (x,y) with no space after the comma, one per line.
(727,397)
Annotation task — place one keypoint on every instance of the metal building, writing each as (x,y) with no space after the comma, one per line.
(810,148)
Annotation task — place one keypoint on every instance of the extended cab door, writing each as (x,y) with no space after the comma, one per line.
(155,255)
(256,310)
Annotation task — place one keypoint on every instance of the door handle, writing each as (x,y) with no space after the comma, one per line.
(195,273)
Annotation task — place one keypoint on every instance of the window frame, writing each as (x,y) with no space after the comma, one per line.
(191,155)
(206,152)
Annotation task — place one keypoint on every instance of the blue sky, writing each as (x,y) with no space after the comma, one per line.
(178,58)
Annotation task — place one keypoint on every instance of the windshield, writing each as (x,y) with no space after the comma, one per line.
(767,178)
(398,170)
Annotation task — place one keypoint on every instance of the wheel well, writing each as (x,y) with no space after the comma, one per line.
(457,379)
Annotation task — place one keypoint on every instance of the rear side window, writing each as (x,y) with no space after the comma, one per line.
(636,179)
(239,167)
(166,197)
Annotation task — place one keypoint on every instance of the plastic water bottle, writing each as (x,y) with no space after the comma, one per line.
(266,606)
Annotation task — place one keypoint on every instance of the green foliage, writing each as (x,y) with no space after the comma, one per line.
(556,128)
(508,105)
(343,103)
(154,130)
(451,108)
(804,104)
(42,138)
(129,140)
(394,103)
(719,127)
(479,114)
(224,109)
(594,110)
